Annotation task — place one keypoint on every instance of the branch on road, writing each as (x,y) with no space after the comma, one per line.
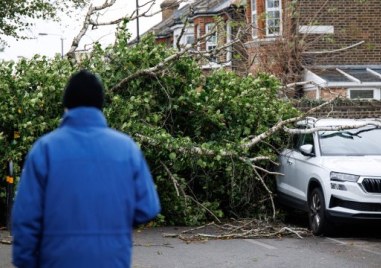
(240,229)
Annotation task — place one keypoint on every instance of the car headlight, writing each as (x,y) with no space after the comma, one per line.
(336,176)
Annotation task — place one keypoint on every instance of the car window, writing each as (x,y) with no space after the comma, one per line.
(295,141)
(301,139)
(351,142)
(307,139)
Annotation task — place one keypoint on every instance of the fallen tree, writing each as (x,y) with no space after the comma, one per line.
(196,131)
(211,141)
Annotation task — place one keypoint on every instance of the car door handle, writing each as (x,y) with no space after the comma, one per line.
(290,162)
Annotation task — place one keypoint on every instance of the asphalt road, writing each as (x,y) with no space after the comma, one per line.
(358,246)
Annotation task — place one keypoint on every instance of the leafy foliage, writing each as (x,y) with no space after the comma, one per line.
(15,15)
(191,127)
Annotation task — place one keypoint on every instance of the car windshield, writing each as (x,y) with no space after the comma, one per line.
(351,142)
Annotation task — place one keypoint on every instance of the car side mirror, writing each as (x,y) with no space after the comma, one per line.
(307,149)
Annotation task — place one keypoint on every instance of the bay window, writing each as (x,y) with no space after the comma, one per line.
(273,17)
(266,15)
(211,41)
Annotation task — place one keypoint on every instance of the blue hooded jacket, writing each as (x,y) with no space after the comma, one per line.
(83,188)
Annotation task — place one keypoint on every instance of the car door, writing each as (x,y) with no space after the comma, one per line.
(295,167)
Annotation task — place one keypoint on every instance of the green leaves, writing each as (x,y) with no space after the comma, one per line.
(14,15)
(172,156)
(30,105)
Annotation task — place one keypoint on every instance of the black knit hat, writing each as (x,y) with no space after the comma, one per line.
(84,89)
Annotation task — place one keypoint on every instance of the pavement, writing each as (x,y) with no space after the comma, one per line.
(153,248)
(5,250)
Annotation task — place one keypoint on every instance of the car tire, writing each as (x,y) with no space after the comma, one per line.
(317,216)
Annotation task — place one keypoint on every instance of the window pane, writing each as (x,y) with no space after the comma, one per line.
(210,47)
(273,22)
(254,17)
(209,28)
(273,17)
(273,14)
(296,141)
(361,94)
(212,40)
(272,3)
(308,139)
(190,39)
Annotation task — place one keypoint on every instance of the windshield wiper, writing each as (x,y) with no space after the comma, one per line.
(343,134)
(346,134)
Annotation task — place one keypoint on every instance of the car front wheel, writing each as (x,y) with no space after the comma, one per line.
(318,219)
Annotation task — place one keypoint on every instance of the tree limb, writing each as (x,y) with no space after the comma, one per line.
(334,50)
(331,128)
(242,229)
(177,187)
(86,23)
(281,124)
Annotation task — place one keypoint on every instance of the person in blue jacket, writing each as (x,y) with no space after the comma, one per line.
(82,189)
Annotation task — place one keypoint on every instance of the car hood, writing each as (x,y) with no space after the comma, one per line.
(357,165)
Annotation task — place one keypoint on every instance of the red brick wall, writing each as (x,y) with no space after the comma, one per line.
(344,109)
(353,21)
(264,52)
(167,41)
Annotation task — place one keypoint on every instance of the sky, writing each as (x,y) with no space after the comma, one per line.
(50,44)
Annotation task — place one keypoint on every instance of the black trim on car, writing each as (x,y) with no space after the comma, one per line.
(292,202)
(372,185)
(360,206)
(349,216)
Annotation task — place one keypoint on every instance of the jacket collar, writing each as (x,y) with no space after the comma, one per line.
(84,117)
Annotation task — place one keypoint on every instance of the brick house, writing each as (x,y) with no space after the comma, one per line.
(192,21)
(335,44)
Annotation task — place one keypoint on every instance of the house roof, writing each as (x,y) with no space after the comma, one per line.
(212,7)
(163,28)
(226,4)
(198,7)
(345,76)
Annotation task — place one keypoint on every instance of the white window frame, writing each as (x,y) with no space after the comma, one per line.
(198,36)
(254,18)
(228,40)
(188,32)
(268,18)
(211,41)
(376,93)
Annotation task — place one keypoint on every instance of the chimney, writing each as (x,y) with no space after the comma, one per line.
(168,7)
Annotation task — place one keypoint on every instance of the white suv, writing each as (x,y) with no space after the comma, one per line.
(333,174)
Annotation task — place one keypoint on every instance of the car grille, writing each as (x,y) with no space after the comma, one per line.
(336,202)
(372,185)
